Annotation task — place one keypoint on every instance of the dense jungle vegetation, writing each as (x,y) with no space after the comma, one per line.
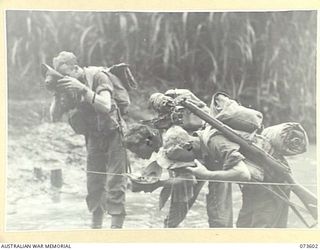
(266,60)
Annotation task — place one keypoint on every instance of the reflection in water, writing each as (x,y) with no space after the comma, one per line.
(55,194)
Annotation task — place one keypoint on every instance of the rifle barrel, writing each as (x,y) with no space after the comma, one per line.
(258,156)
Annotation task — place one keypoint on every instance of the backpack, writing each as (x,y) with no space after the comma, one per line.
(122,80)
(81,118)
(238,117)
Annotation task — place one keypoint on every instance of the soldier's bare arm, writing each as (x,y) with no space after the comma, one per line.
(239,172)
(101,101)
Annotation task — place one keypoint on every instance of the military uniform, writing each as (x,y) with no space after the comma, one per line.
(260,207)
(219,154)
(106,155)
(101,123)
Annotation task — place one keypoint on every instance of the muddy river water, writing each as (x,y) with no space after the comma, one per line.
(33,204)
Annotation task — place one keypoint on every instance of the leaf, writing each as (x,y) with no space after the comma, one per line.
(14,52)
(248,53)
(224,17)
(26,69)
(29,25)
(275,55)
(156,29)
(83,38)
(168,46)
(184,24)
(123,26)
(135,25)
(176,47)
(198,34)
(213,59)
(210,18)
(251,32)
(99,21)
(91,50)
(50,25)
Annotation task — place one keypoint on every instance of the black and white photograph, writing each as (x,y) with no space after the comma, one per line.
(159,120)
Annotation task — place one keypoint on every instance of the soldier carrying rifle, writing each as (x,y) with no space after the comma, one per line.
(218,158)
(144,139)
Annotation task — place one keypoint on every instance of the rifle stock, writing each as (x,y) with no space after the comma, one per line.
(259,156)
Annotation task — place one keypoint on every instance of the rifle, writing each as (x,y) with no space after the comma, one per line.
(168,113)
(260,157)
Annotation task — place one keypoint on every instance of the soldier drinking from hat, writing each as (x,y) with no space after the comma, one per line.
(97,117)
(223,163)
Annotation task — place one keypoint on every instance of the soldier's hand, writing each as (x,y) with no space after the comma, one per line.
(181,98)
(70,83)
(199,170)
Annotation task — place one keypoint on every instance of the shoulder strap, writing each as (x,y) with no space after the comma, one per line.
(90,72)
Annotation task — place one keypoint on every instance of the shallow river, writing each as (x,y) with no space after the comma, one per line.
(66,209)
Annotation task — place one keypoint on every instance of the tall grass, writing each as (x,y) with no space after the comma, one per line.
(266,60)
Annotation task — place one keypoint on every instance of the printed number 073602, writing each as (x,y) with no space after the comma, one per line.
(315,246)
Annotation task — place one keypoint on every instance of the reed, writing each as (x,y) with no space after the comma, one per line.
(266,59)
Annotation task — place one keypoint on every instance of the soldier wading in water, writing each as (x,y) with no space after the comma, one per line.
(98,118)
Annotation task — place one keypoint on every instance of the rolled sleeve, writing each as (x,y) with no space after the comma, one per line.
(103,83)
(225,151)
